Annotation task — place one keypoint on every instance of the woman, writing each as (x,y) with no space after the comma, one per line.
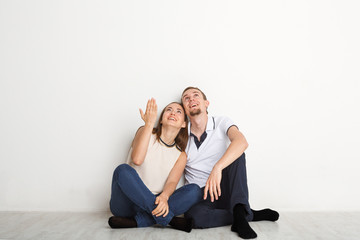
(143,192)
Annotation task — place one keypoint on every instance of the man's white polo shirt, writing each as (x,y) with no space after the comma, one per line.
(200,161)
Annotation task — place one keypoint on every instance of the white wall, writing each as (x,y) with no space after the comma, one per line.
(74,73)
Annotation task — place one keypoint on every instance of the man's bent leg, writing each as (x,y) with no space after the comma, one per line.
(234,182)
(236,197)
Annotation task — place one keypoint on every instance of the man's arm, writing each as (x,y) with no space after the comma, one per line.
(236,148)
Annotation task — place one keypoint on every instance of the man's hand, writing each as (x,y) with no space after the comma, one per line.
(213,184)
(162,206)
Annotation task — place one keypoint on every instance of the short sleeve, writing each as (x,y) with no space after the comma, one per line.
(225,123)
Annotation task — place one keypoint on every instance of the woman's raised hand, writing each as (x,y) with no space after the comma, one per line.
(150,114)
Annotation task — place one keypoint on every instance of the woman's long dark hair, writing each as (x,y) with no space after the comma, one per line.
(182,137)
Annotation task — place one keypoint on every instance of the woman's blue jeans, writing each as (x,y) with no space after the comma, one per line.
(131,198)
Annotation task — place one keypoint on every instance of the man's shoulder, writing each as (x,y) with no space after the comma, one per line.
(222,120)
(223,123)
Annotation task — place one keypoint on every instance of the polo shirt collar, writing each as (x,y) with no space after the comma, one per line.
(210,123)
(209,126)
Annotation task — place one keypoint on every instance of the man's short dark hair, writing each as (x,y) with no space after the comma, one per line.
(203,94)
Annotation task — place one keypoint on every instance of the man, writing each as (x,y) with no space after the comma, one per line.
(216,162)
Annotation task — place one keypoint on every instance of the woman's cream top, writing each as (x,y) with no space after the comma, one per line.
(159,160)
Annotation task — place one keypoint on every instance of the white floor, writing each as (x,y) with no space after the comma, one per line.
(291,225)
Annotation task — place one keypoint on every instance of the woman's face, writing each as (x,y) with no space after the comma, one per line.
(174,115)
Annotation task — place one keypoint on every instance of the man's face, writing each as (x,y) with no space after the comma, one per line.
(194,102)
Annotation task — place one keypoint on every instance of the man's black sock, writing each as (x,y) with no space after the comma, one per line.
(240,224)
(265,215)
(182,224)
(122,222)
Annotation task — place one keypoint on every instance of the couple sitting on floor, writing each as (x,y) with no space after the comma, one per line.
(209,149)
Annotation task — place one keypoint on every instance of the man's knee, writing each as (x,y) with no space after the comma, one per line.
(241,159)
(239,165)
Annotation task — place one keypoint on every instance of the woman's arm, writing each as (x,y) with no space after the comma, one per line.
(141,140)
(170,186)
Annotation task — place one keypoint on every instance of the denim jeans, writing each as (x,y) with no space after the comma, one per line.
(131,198)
